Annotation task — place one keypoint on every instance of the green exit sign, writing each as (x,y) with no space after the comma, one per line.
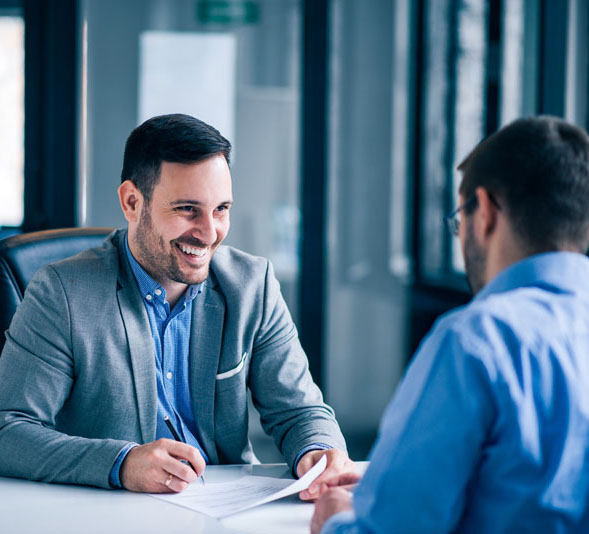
(227,11)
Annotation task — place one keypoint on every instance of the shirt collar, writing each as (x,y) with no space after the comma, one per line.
(150,290)
(559,271)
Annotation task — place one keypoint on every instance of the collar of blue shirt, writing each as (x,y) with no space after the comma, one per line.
(564,271)
(149,288)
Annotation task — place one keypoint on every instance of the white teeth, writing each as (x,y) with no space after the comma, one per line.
(198,252)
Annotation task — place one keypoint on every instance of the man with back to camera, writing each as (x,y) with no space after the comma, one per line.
(159,323)
(489,429)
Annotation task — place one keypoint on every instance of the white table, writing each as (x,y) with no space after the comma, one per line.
(37,508)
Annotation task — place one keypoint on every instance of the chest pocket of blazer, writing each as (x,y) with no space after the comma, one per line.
(235,370)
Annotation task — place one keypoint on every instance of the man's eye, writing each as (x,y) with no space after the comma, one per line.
(187,209)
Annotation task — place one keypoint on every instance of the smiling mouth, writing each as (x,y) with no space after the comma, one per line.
(193,251)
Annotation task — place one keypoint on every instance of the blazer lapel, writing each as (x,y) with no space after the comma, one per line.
(141,349)
(208,314)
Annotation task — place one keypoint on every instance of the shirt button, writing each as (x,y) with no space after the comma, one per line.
(158,292)
(169,375)
(148,297)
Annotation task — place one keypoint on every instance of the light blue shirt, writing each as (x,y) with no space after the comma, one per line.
(170,330)
(489,430)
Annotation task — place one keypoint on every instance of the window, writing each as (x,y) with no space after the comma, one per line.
(12,113)
(480,72)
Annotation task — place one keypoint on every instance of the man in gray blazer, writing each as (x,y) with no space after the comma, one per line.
(159,332)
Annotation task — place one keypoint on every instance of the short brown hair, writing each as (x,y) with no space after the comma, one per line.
(538,169)
(174,138)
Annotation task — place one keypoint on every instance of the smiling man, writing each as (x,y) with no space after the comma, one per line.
(161,330)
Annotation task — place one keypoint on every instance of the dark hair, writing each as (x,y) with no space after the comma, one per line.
(538,169)
(174,138)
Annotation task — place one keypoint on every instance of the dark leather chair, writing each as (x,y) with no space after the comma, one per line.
(22,255)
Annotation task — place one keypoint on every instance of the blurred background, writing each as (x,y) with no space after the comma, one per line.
(347,117)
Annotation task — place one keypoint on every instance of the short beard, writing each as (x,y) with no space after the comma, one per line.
(158,263)
(475,260)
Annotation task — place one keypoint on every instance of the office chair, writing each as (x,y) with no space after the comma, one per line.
(22,255)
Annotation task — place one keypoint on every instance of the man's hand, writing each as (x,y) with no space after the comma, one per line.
(157,467)
(337,463)
(333,501)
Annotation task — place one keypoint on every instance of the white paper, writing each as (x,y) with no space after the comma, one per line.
(227,498)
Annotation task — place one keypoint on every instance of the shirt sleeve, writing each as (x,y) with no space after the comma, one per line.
(429,441)
(114,477)
(342,523)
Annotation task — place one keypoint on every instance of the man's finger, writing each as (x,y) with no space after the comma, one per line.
(344,479)
(197,462)
(179,470)
(173,484)
(337,464)
(186,452)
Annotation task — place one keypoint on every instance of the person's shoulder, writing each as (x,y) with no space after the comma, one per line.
(240,275)
(234,263)
(498,326)
(474,318)
(96,262)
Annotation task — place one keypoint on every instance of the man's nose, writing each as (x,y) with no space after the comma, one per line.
(205,229)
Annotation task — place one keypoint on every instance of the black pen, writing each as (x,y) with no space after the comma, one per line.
(178,438)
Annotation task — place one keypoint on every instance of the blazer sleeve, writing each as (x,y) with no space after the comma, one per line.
(37,371)
(290,404)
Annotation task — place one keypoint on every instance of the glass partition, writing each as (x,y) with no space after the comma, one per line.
(12,78)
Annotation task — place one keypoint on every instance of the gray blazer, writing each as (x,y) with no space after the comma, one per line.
(77,373)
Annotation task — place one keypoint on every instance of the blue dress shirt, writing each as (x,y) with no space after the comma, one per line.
(170,330)
(489,430)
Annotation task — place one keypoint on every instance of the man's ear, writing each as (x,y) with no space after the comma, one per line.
(131,201)
(485,214)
